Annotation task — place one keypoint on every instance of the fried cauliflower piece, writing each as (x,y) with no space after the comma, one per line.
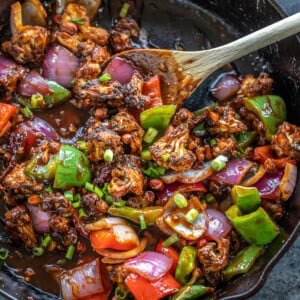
(17,181)
(224,121)
(127,177)
(101,138)
(286,141)
(29,43)
(251,86)
(18,223)
(170,150)
(214,257)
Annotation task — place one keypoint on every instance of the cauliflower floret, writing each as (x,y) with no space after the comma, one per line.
(170,150)
(286,141)
(127,177)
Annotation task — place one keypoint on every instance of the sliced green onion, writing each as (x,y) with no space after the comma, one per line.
(48,189)
(219,163)
(150,135)
(26,112)
(105,77)
(46,241)
(146,155)
(108,155)
(82,145)
(94,189)
(69,195)
(192,215)
(38,251)
(210,198)
(124,10)
(213,142)
(180,201)
(142,222)
(82,213)
(120,294)
(77,204)
(61,261)
(73,82)
(120,203)
(165,157)
(70,252)
(77,197)
(171,240)
(36,100)
(4,254)
(78,20)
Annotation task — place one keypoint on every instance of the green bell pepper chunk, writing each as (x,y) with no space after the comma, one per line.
(246,198)
(73,168)
(41,172)
(59,96)
(256,227)
(191,292)
(246,138)
(243,261)
(157,117)
(150,213)
(186,264)
(270,109)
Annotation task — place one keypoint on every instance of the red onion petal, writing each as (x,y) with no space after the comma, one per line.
(288,182)
(34,83)
(218,224)
(226,87)
(105,223)
(234,172)
(150,265)
(268,185)
(119,70)
(82,281)
(60,65)
(39,218)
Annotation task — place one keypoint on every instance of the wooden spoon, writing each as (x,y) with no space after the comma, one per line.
(181,72)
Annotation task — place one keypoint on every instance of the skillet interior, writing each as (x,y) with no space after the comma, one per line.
(201,24)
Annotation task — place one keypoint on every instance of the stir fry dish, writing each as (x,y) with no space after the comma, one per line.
(123,196)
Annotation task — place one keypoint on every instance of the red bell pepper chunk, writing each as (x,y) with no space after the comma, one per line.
(6,112)
(261,154)
(169,252)
(152,89)
(143,289)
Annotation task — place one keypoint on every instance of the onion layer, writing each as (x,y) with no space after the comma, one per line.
(288,182)
(105,223)
(218,224)
(150,265)
(226,87)
(60,65)
(40,219)
(119,70)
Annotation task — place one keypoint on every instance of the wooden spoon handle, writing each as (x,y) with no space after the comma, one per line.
(254,41)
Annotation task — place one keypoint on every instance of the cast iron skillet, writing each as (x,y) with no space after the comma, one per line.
(197,24)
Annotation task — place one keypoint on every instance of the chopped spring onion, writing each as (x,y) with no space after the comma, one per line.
(124,10)
(26,112)
(120,203)
(171,240)
(94,189)
(142,222)
(108,155)
(70,252)
(105,77)
(146,155)
(38,251)
(78,20)
(180,201)
(48,189)
(82,145)
(61,261)
(192,215)
(120,294)
(4,254)
(165,157)
(77,204)
(37,100)
(69,195)
(219,163)
(77,197)
(73,82)
(82,213)
(150,135)
(213,142)
(210,198)
(46,241)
